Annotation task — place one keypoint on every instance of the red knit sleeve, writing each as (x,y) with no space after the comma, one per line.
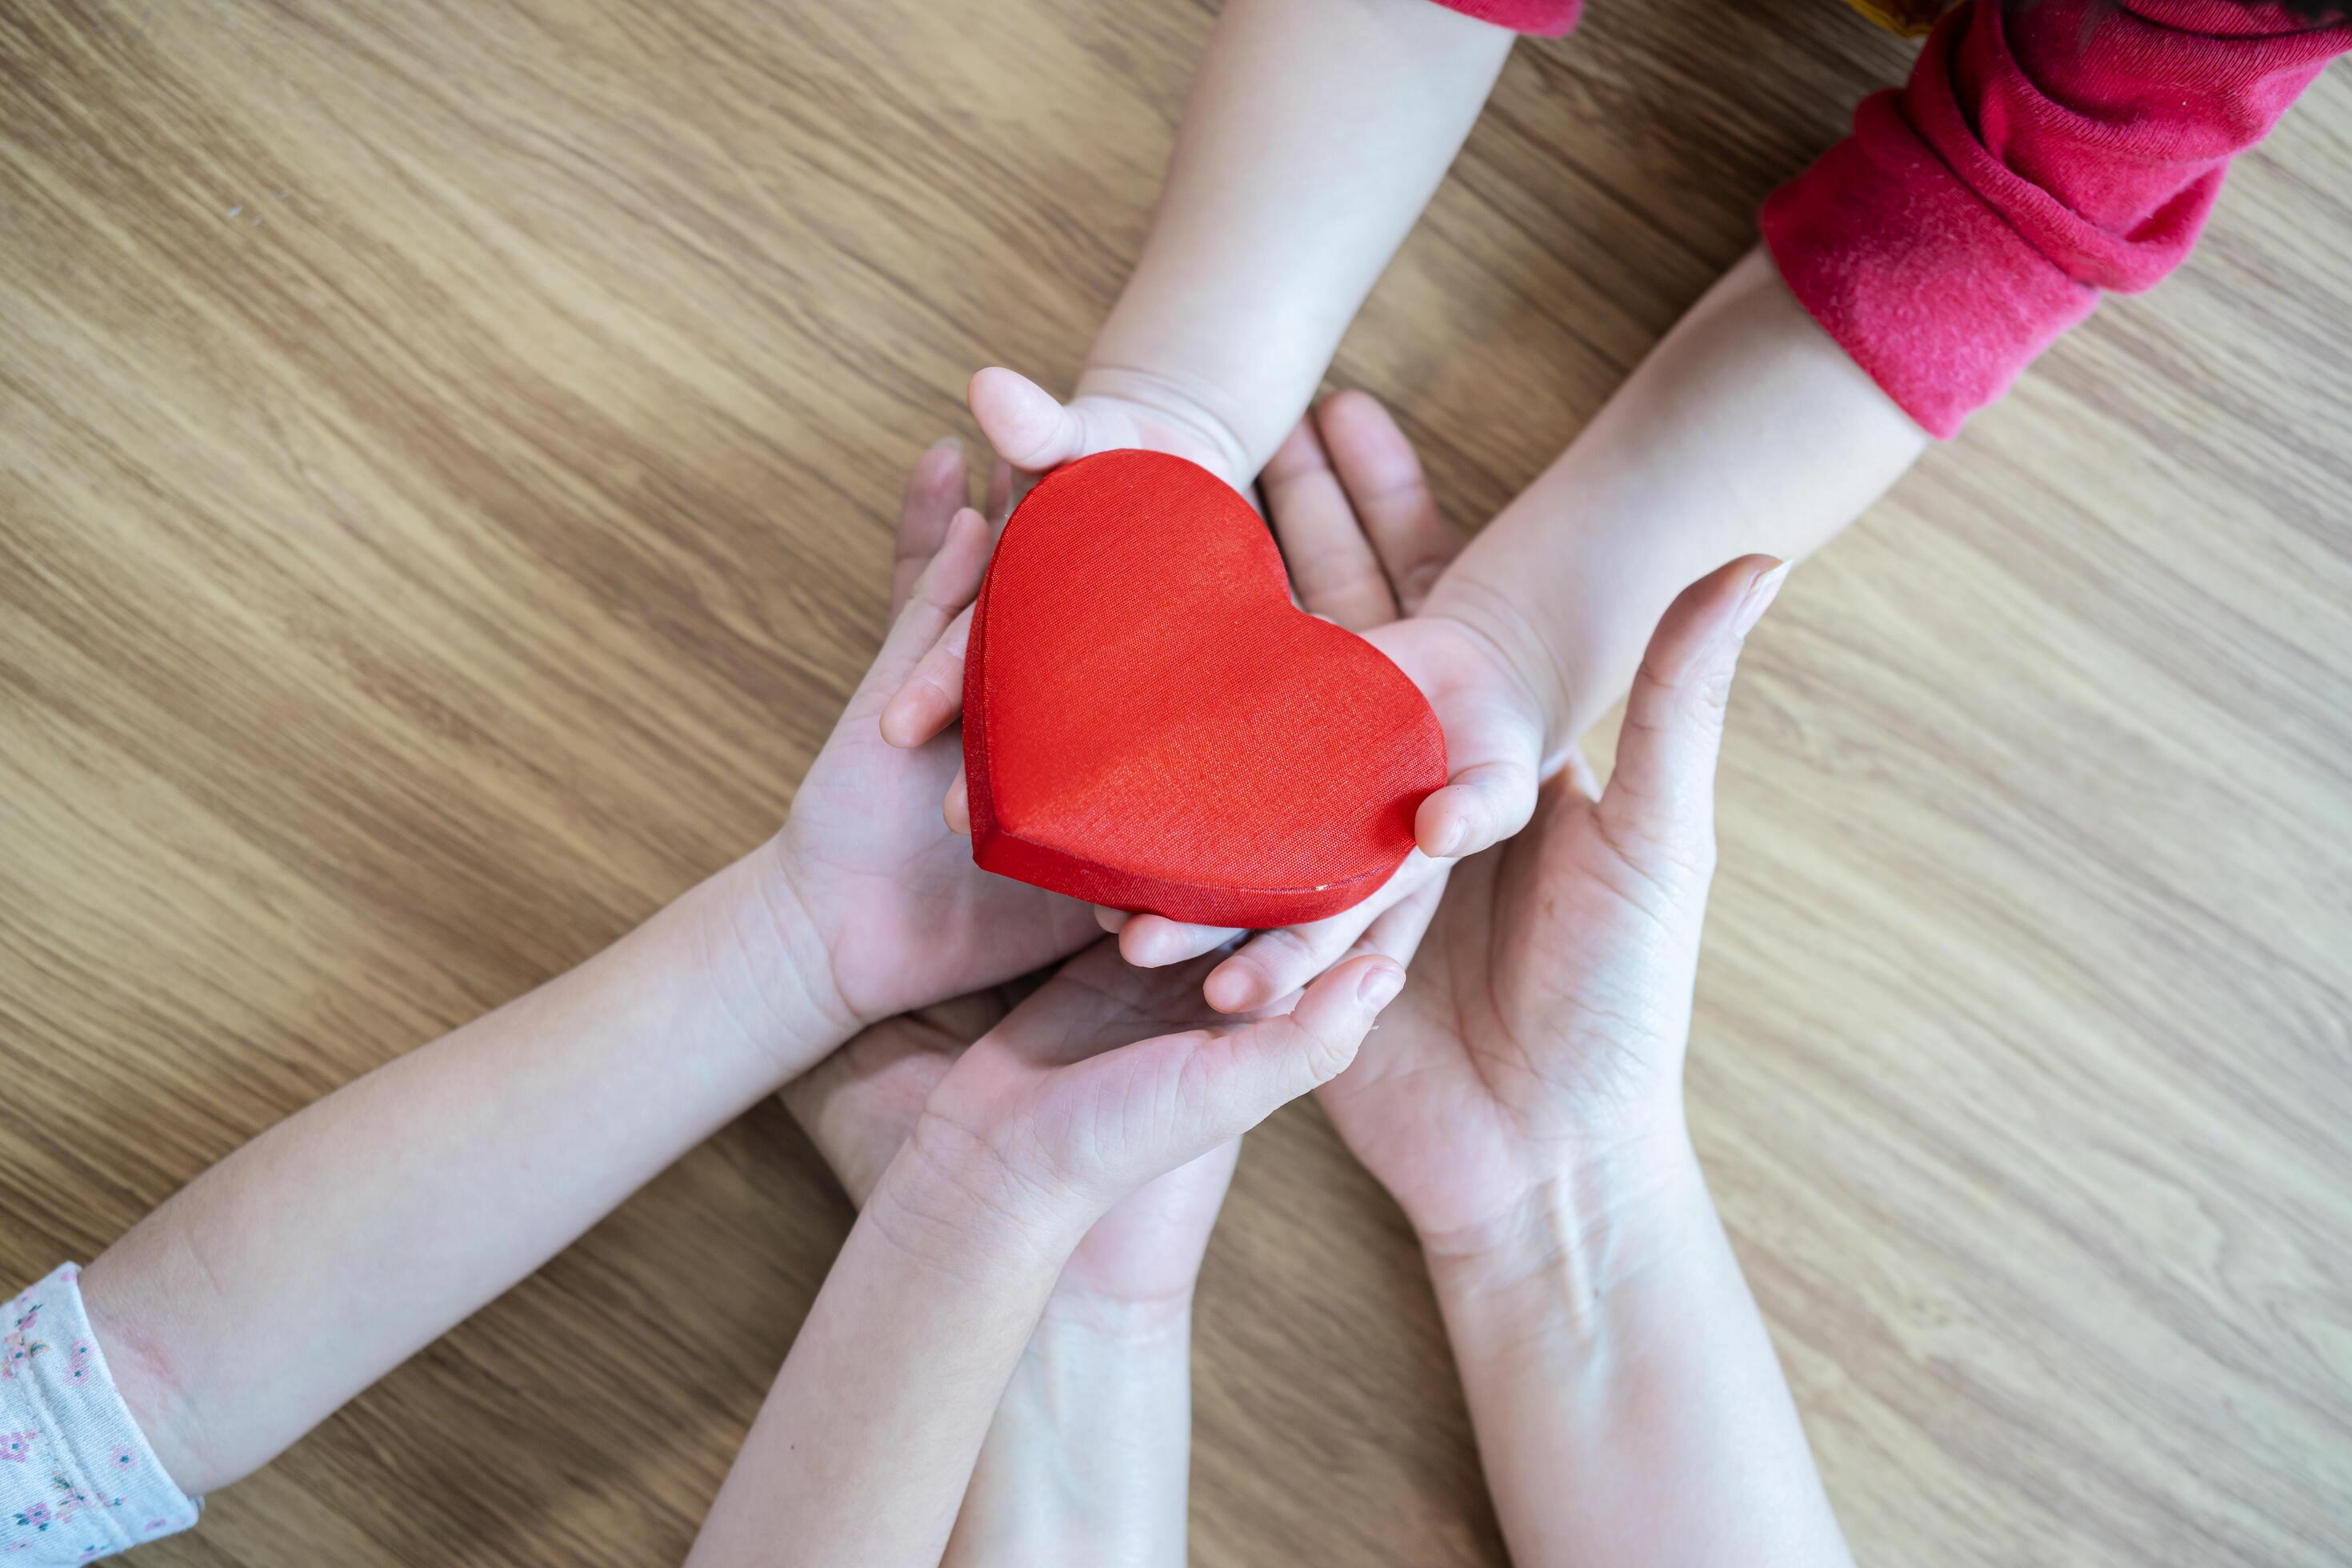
(2041,152)
(1544,18)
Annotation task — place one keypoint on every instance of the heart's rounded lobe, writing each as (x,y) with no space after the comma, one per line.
(1150,724)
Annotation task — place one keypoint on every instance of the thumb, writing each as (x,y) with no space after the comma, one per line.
(1660,801)
(1207,1086)
(1024,423)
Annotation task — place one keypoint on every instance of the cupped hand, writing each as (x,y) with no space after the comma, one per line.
(1550,1004)
(1107,1080)
(859,1104)
(1364,543)
(904,916)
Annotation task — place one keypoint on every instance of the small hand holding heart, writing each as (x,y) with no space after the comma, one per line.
(1152,725)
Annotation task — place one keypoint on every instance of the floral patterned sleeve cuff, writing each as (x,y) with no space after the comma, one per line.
(77,1481)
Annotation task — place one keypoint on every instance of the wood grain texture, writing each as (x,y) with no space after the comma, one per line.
(449,454)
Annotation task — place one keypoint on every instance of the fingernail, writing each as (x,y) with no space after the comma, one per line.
(1379,988)
(1762,589)
(948,443)
(1455,837)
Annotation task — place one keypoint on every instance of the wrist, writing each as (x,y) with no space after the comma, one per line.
(1081,1327)
(764,959)
(1089,1455)
(1552,1253)
(1519,648)
(952,1202)
(1207,413)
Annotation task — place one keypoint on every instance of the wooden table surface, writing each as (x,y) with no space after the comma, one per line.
(448,456)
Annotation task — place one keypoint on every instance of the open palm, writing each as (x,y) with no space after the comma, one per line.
(906,918)
(1550,1004)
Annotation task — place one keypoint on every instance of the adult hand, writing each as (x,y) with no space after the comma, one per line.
(1545,1029)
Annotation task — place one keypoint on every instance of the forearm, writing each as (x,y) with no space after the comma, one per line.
(312,1260)
(1316,132)
(863,1450)
(1745,430)
(1089,1455)
(1628,1403)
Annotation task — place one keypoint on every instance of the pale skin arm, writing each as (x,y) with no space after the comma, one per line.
(1747,430)
(863,1448)
(1627,1400)
(1524,1108)
(311,1262)
(1088,1458)
(868,1440)
(1315,133)
(1091,1455)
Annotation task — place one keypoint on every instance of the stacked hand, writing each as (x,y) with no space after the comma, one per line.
(1544,1032)
(1501,1061)
(1353,512)
(1067,1166)
(904,917)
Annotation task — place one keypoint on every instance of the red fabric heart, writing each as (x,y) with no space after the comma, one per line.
(1150,724)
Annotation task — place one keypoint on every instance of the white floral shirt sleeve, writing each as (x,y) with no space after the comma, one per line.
(77,1481)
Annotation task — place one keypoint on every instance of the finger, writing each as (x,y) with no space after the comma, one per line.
(1388,492)
(1112,920)
(957,808)
(1332,568)
(999,493)
(935,491)
(1397,932)
(1484,804)
(944,591)
(1659,800)
(1155,942)
(1022,421)
(1218,1084)
(1259,1066)
(931,697)
(1272,963)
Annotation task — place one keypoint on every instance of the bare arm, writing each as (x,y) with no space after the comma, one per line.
(1627,1400)
(1072,1105)
(1746,431)
(1526,1110)
(1316,132)
(370,1223)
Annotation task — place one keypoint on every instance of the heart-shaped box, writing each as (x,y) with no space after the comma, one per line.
(1149,724)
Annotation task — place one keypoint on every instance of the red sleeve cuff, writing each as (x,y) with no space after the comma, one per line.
(1941,301)
(2037,155)
(1543,18)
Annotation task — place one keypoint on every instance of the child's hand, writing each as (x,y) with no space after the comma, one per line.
(1100,1476)
(904,916)
(866,1445)
(1096,1085)
(1363,541)
(1550,1006)
(1033,432)
(860,1104)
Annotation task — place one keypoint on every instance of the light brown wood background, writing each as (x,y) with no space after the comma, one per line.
(450,453)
